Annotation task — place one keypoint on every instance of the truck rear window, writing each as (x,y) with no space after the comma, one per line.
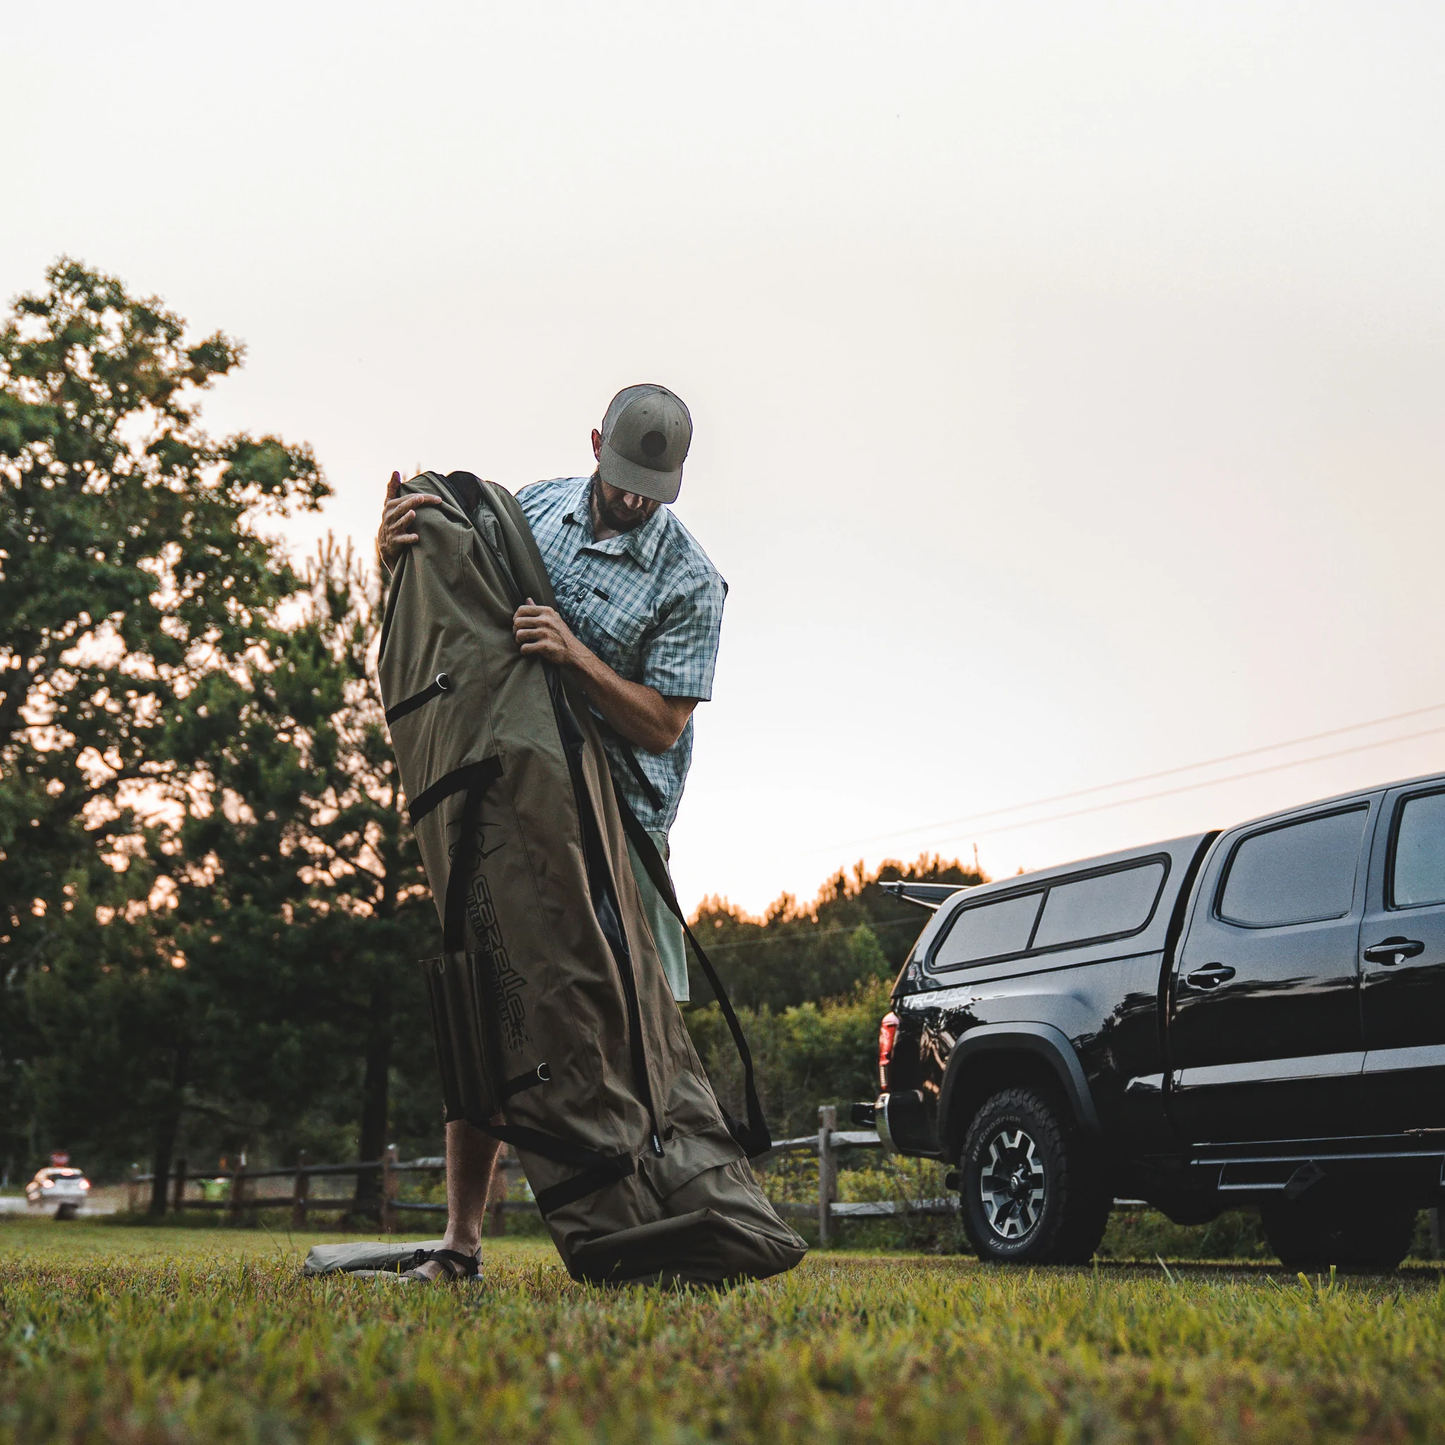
(1088,908)
(1099,907)
(988,930)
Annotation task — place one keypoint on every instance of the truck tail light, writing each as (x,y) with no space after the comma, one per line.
(887,1037)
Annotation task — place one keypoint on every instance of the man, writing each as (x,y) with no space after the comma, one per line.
(639,609)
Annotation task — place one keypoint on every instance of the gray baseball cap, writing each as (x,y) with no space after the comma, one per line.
(645,437)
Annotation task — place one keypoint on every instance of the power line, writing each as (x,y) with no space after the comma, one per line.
(1210,782)
(871,924)
(1140,798)
(1167,773)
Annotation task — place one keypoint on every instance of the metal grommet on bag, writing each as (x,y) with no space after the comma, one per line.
(435,688)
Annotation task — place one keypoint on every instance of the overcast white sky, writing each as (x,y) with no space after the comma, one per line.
(1067,379)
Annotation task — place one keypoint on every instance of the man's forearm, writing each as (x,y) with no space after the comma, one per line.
(640,713)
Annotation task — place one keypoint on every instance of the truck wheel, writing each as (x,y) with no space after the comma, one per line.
(1352,1234)
(1030,1190)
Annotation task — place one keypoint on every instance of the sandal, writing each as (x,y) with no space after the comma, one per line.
(455,1266)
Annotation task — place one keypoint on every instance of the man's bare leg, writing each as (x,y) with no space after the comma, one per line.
(471,1159)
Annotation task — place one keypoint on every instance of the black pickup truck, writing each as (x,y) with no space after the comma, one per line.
(1249,1017)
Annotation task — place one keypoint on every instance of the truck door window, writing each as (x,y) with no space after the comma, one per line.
(988,930)
(1299,873)
(1418,875)
(1104,906)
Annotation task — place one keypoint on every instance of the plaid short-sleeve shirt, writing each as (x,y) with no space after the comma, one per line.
(649,603)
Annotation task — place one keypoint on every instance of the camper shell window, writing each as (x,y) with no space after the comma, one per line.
(1096,906)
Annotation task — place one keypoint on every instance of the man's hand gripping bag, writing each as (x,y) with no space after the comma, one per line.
(555,1028)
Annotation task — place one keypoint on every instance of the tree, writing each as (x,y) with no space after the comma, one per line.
(850,933)
(136,587)
(301,900)
(805,1055)
(811,984)
(372,911)
(295,903)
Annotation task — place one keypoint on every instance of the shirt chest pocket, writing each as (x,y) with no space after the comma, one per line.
(617,634)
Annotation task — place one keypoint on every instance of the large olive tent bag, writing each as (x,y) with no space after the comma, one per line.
(555,1028)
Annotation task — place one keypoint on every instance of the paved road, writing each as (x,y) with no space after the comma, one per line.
(9,1204)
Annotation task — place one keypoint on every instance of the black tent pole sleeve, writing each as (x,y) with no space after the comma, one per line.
(757,1138)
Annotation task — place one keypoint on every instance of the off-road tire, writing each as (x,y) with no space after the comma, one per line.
(1030,1188)
(1354,1234)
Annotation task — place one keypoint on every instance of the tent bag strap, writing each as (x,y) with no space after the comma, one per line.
(597,1169)
(754,1136)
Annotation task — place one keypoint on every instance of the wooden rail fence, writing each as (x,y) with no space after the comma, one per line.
(241,1200)
(828,1143)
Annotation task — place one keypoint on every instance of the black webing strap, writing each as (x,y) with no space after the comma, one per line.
(598,1170)
(484,773)
(754,1136)
(629,756)
(440,684)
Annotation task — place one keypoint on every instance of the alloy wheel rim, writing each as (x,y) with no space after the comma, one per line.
(1012,1184)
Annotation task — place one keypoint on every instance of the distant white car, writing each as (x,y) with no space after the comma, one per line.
(65,1189)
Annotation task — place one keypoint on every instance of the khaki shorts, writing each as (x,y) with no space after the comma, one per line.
(666,928)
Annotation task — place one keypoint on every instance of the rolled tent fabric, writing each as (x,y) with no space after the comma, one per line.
(555,1027)
(365,1257)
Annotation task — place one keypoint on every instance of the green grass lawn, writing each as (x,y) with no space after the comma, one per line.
(136,1335)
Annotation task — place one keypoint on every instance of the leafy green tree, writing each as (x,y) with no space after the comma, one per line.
(810,984)
(295,903)
(850,933)
(372,913)
(137,586)
(805,1055)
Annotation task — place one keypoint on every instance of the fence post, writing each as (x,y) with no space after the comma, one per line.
(132,1188)
(238,1188)
(497,1198)
(389,1182)
(178,1189)
(827,1171)
(300,1191)
(1435,1234)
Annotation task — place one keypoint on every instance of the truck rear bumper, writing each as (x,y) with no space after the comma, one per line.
(903,1123)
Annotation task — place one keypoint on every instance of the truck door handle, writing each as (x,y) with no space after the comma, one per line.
(1210,976)
(1391,951)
